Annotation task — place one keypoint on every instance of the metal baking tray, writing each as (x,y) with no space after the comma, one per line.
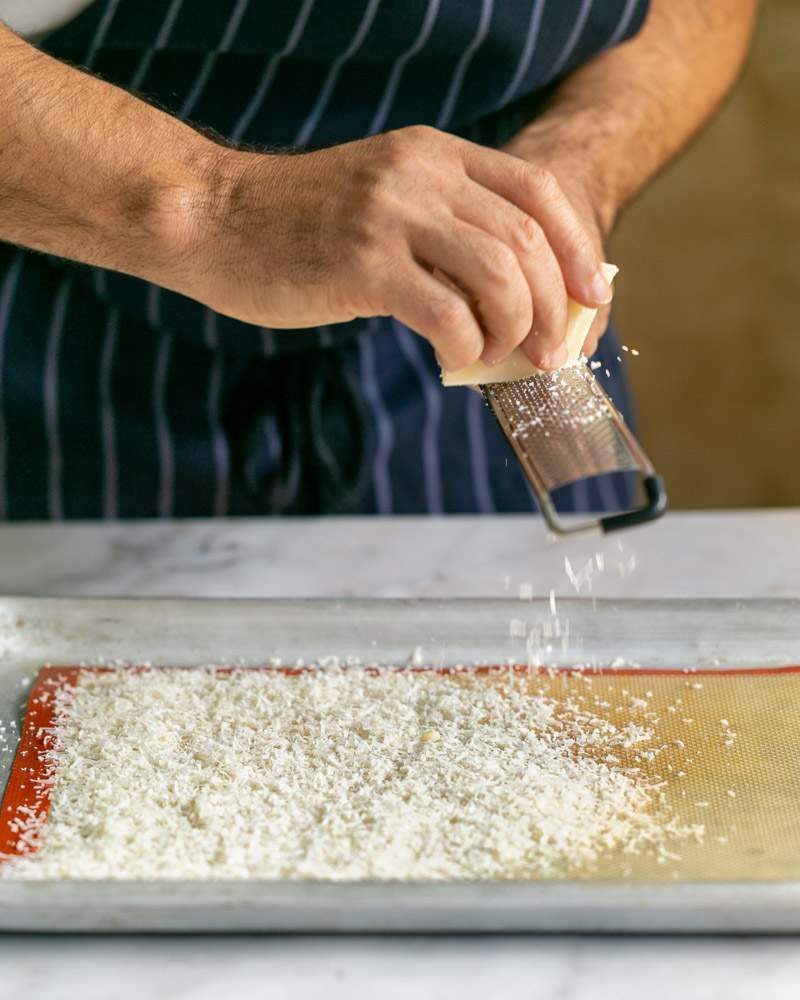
(655,634)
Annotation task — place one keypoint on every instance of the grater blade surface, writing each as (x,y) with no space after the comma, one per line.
(564,428)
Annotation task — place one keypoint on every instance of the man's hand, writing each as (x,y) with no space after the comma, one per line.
(549,147)
(368,228)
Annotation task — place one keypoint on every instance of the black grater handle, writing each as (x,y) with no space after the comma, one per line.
(655,506)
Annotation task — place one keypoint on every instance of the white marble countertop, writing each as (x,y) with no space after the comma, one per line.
(741,554)
(733,554)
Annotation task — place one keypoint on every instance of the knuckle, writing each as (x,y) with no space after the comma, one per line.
(499,263)
(526,234)
(544,181)
(447,313)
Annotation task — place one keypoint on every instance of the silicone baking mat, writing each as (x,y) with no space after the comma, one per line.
(730,761)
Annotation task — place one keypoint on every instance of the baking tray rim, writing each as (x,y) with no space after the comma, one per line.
(563,904)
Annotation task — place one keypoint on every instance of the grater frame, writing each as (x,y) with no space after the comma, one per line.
(564,428)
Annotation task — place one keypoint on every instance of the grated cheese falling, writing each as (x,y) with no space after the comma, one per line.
(337,773)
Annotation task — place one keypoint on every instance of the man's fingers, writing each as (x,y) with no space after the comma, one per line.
(438,313)
(488,271)
(538,193)
(523,234)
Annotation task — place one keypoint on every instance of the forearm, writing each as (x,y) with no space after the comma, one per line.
(623,116)
(89,172)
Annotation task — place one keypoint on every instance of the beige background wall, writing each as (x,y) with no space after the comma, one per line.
(710,292)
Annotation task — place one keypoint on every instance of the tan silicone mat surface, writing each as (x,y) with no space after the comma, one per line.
(731,761)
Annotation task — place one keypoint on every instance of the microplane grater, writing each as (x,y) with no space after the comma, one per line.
(563,428)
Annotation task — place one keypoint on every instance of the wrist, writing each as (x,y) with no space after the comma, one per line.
(188,214)
(195,217)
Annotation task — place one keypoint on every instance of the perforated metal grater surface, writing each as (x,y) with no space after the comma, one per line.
(564,428)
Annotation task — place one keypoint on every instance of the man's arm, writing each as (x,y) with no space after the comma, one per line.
(90,172)
(87,171)
(617,121)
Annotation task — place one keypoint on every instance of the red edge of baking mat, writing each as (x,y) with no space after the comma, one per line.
(29,790)
(27,787)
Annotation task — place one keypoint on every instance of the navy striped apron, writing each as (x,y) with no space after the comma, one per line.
(121,399)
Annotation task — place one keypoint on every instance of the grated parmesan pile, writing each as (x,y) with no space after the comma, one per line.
(335,774)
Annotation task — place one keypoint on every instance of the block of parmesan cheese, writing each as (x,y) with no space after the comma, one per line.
(517,365)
